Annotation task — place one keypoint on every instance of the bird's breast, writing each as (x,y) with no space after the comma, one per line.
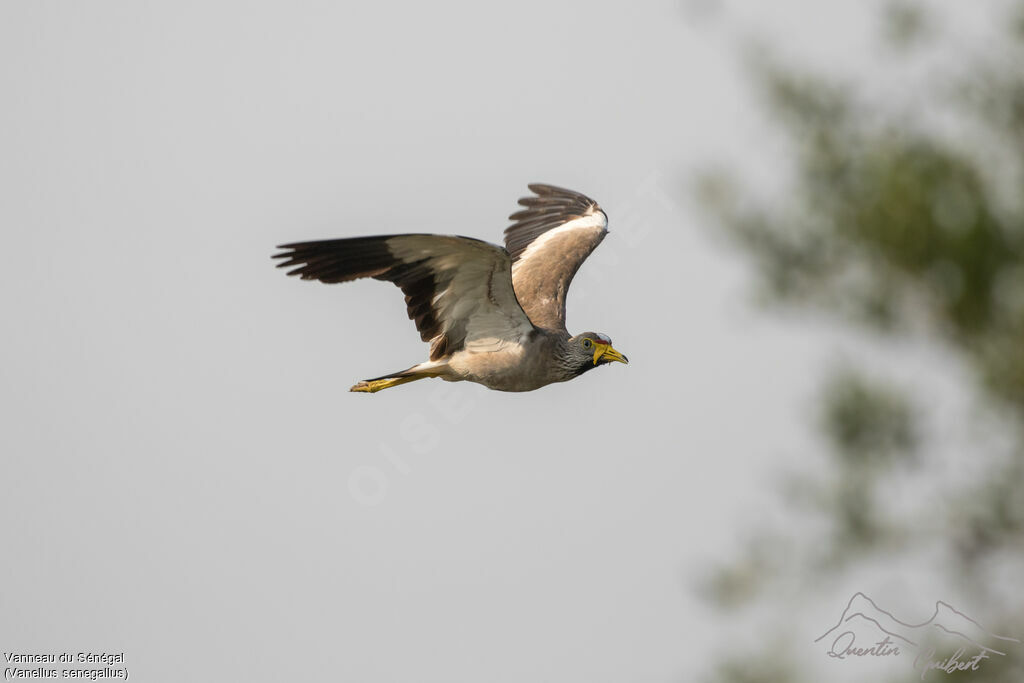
(511,368)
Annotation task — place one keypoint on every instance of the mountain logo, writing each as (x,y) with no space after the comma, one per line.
(949,641)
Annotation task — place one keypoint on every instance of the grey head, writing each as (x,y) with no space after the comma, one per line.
(588,350)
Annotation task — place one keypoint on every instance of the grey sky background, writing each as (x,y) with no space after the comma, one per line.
(187,479)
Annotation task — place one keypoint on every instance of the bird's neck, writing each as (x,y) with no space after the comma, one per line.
(566,363)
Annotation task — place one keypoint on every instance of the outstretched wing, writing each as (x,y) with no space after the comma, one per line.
(457,289)
(548,240)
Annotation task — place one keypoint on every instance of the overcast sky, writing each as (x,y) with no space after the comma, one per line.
(187,478)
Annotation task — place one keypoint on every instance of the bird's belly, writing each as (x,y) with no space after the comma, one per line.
(509,369)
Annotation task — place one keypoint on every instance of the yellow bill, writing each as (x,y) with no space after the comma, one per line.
(606,352)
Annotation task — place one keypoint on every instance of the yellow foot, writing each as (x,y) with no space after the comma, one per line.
(373,386)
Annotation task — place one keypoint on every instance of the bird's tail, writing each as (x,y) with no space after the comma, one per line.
(421,371)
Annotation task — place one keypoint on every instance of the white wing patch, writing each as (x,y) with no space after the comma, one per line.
(594,221)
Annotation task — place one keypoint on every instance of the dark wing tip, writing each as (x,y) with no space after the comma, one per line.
(546,189)
(549,207)
(290,251)
(338,260)
(295,245)
(291,256)
(553,195)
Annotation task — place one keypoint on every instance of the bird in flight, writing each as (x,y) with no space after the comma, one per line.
(492,315)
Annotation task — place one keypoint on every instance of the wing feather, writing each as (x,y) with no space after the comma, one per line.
(458,290)
(548,241)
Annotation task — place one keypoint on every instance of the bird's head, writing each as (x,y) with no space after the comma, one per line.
(591,349)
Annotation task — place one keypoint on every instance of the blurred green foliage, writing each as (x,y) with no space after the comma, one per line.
(897,228)
(904,23)
(869,424)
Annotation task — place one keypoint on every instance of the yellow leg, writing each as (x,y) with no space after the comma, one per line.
(373,386)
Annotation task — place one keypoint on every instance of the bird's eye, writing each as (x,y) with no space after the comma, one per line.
(587,343)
